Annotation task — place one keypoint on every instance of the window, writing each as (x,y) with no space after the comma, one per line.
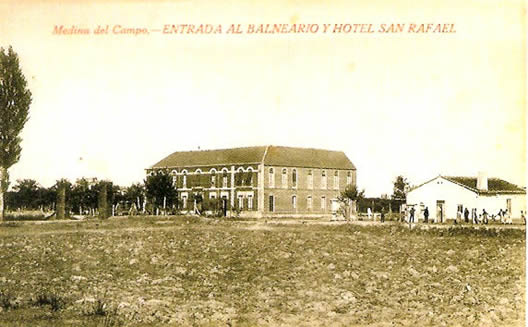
(271,177)
(184,178)
(323,179)
(174,177)
(310,179)
(284,178)
(336,180)
(294,178)
(309,202)
(241,202)
(239,180)
(197,180)
(349,178)
(249,176)
(224,178)
(212,196)
(323,203)
(213,180)
(250,202)
(294,202)
(271,203)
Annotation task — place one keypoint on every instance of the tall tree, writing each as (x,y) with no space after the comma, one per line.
(15,99)
(160,190)
(401,187)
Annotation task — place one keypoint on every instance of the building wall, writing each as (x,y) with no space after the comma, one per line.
(283,193)
(198,180)
(493,203)
(441,189)
(454,195)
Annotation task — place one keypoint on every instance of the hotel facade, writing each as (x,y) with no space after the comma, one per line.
(261,181)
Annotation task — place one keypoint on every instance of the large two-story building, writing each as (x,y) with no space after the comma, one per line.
(260,181)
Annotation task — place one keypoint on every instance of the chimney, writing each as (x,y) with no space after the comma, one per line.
(482,181)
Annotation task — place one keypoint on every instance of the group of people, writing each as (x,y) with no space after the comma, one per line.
(473,217)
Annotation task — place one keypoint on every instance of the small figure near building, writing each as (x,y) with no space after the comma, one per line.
(466,215)
(411,215)
(382,215)
(484,217)
(426,215)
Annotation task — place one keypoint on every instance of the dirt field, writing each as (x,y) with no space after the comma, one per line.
(189,271)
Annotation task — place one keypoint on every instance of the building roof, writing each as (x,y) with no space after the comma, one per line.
(269,155)
(247,155)
(304,157)
(495,185)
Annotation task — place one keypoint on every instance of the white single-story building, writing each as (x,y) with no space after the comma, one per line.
(444,196)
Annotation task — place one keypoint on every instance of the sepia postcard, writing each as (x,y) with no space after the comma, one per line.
(263,163)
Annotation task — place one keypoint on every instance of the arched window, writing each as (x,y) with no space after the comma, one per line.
(239,179)
(224,178)
(349,178)
(310,179)
(197,178)
(213,177)
(323,179)
(184,179)
(284,178)
(271,177)
(249,176)
(336,180)
(294,202)
(174,177)
(294,178)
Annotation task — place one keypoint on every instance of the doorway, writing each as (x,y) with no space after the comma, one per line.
(440,210)
(224,206)
(271,203)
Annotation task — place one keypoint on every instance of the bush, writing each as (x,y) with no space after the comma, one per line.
(8,301)
(56,302)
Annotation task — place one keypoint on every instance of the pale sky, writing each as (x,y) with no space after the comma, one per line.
(109,106)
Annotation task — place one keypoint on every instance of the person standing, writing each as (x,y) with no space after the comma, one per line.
(426,215)
(466,215)
(523,217)
(484,217)
(382,215)
(411,215)
(369,213)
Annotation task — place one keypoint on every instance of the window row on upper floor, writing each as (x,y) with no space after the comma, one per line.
(290,177)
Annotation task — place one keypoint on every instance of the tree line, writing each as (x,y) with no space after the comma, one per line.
(84,196)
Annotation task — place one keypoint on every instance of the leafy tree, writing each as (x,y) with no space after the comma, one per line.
(15,99)
(135,193)
(160,190)
(350,197)
(401,186)
(351,193)
(26,194)
(84,196)
(46,198)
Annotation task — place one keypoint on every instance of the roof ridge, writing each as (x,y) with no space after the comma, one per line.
(304,148)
